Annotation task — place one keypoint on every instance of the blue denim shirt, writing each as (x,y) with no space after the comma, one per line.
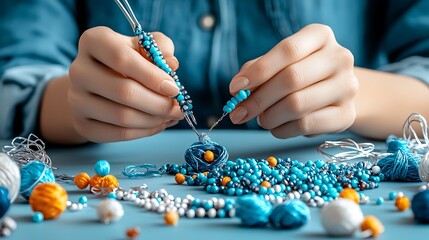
(38,41)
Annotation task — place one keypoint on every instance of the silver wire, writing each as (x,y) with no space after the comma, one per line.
(415,144)
(128,12)
(218,121)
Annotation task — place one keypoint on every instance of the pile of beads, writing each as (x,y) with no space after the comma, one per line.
(7,227)
(101,183)
(79,205)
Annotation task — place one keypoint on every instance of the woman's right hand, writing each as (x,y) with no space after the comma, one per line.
(116,93)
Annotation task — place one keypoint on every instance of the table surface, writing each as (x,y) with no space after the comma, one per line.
(169,147)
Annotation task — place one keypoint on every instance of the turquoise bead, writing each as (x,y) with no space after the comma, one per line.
(243,94)
(146,43)
(380,201)
(180,97)
(83,200)
(247,92)
(221,213)
(38,217)
(230,104)
(263,190)
(190,106)
(153,49)
(238,97)
(227,109)
(239,191)
(234,100)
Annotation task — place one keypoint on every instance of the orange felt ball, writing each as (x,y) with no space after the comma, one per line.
(225,180)
(82,180)
(373,225)
(265,184)
(133,233)
(171,217)
(272,161)
(402,203)
(180,178)
(351,194)
(209,156)
(95,181)
(109,182)
(50,199)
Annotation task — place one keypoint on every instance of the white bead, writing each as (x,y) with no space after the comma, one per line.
(74,207)
(296,194)
(272,198)
(267,198)
(220,203)
(148,205)
(422,188)
(319,201)
(290,196)
(364,200)
(214,200)
(184,205)
(154,201)
(132,197)
(201,212)
(185,201)
(171,197)
(306,196)
(400,194)
(79,206)
(376,169)
(277,188)
(119,195)
(178,205)
(155,206)
(68,204)
(279,200)
(190,213)
(145,195)
(161,209)
(211,213)
(5,232)
(162,191)
(110,210)
(341,217)
(174,209)
(167,201)
(137,201)
(190,197)
(178,200)
(316,188)
(181,211)
(231,213)
(8,222)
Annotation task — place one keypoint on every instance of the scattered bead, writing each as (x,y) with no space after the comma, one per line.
(272,161)
(171,218)
(372,225)
(209,156)
(83,200)
(266,184)
(402,203)
(225,180)
(38,217)
(133,233)
(379,201)
(392,195)
(351,194)
(180,178)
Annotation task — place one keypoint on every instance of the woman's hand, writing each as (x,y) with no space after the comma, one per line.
(115,93)
(305,85)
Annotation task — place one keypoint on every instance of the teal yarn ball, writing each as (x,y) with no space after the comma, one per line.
(102,168)
(4,201)
(253,210)
(289,215)
(32,174)
(420,206)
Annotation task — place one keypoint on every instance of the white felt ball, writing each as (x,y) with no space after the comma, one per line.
(341,217)
(10,177)
(110,210)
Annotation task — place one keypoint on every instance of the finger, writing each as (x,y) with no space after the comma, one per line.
(293,78)
(118,52)
(166,45)
(171,123)
(290,50)
(325,120)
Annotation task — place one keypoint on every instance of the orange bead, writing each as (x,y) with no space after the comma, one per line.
(49,199)
(225,180)
(95,181)
(209,156)
(373,225)
(351,194)
(402,203)
(133,233)
(82,180)
(205,173)
(180,178)
(272,161)
(171,217)
(265,184)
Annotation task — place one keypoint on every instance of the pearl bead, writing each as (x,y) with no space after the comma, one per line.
(399,194)
(305,197)
(148,206)
(364,200)
(290,196)
(181,211)
(277,188)
(220,203)
(422,188)
(161,209)
(9,223)
(211,213)
(73,207)
(231,213)
(376,169)
(190,213)
(201,212)
(132,197)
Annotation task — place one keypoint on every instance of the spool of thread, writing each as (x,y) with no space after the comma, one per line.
(32,174)
(351,194)
(102,168)
(372,226)
(291,214)
(424,168)
(10,177)
(82,180)
(420,206)
(253,210)
(50,199)
(194,156)
(402,165)
(110,210)
(4,201)
(341,217)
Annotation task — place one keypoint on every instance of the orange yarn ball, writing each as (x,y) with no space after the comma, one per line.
(373,225)
(95,181)
(265,184)
(351,194)
(272,161)
(171,217)
(225,180)
(109,181)
(180,178)
(49,199)
(82,180)
(402,203)
(209,156)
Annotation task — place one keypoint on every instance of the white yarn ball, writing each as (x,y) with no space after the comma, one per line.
(424,168)
(9,176)
(341,217)
(110,210)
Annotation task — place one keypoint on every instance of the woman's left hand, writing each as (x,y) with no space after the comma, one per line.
(305,85)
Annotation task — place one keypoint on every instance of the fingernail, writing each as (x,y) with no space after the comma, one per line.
(172,61)
(169,88)
(258,121)
(238,114)
(237,84)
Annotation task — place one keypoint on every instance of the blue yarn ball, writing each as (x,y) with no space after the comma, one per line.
(102,168)
(253,210)
(292,214)
(420,206)
(194,156)
(4,201)
(32,174)
(402,165)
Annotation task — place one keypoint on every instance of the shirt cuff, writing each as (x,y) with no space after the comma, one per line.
(21,90)
(415,66)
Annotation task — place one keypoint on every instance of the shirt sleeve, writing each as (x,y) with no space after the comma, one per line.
(37,44)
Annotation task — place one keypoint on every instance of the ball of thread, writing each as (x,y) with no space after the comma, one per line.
(4,201)
(82,180)
(194,156)
(292,214)
(10,176)
(402,165)
(424,168)
(50,199)
(102,168)
(272,161)
(209,156)
(95,181)
(32,174)
(253,210)
(110,210)
(171,218)
(402,203)
(351,194)
(420,206)
(372,225)
(133,233)
(341,217)
(109,181)
(180,178)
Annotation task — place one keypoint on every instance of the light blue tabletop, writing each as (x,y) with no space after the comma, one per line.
(169,147)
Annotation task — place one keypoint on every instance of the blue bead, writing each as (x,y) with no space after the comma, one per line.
(102,168)
(263,190)
(211,181)
(243,94)
(190,106)
(111,195)
(220,213)
(227,109)
(238,97)
(38,217)
(207,205)
(231,191)
(215,189)
(230,105)
(153,49)
(83,200)
(247,92)
(239,191)
(146,43)
(392,195)
(180,97)
(234,100)
(380,201)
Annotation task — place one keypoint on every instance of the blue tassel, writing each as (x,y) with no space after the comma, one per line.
(292,214)
(253,210)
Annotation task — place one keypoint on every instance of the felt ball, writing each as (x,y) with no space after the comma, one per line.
(82,180)
(32,174)
(225,180)
(402,203)
(49,199)
(38,217)
(291,214)
(341,217)
(171,218)
(272,161)
(4,201)
(10,176)
(424,168)
(95,181)
(180,178)
(109,181)
(209,156)
(372,225)
(133,233)
(265,184)
(420,206)
(253,210)
(102,168)
(110,210)
(351,194)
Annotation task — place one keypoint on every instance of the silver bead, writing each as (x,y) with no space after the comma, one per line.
(400,194)
(148,205)
(277,188)
(316,188)
(119,195)
(376,169)
(69,203)
(79,206)
(296,194)
(290,196)
(422,188)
